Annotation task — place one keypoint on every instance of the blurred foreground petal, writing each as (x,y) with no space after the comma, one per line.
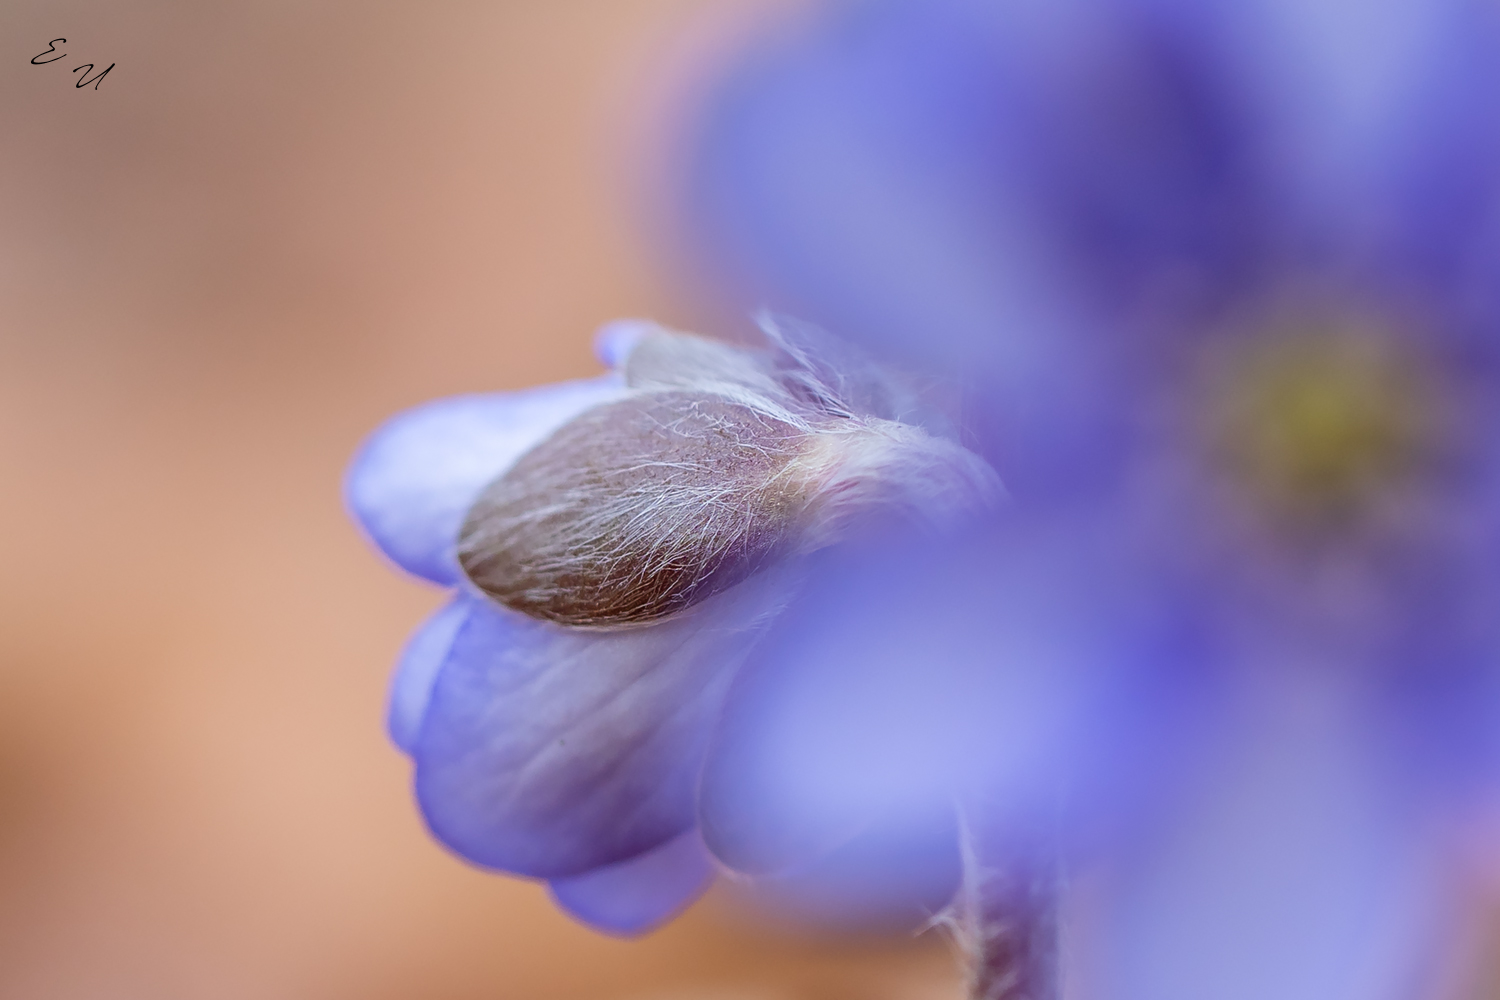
(908,678)
(1296,871)
(894,877)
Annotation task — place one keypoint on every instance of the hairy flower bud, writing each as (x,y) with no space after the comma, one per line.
(717,463)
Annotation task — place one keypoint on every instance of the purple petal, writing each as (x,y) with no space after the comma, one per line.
(551,751)
(415,477)
(1379,139)
(944,178)
(418,668)
(902,678)
(995,189)
(641,893)
(1296,871)
(933,177)
(893,877)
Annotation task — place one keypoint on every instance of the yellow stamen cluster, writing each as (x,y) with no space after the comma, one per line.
(1318,424)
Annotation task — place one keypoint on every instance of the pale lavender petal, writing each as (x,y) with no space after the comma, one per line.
(411,483)
(641,893)
(893,878)
(1298,871)
(551,751)
(418,669)
(907,676)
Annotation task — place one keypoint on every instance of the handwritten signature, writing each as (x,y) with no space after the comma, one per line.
(84,80)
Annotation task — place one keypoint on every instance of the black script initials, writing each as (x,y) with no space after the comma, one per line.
(84,81)
(51,47)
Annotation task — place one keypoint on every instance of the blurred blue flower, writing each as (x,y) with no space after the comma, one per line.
(1222,281)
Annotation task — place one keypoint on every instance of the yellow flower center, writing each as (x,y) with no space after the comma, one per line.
(1318,424)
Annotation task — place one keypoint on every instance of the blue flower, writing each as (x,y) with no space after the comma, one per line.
(616,546)
(1222,281)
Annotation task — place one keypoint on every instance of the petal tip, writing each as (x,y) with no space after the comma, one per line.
(636,896)
(615,340)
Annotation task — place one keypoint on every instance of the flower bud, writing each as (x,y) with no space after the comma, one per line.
(720,462)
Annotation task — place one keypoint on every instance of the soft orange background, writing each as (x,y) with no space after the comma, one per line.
(272,225)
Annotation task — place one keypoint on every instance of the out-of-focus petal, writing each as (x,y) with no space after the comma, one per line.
(893,877)
(903,679)
(639,894)
(1373,125)
(415,477)
(418,668)
(943,178)
(1437,677)
(1296,870)
(551,751)
(1035,190)
(1029,194)
(1442,238)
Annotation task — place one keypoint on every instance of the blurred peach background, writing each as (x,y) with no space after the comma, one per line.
(272,225)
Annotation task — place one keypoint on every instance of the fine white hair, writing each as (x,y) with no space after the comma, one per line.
(719,461)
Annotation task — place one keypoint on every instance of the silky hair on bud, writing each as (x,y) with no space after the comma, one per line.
(719,462)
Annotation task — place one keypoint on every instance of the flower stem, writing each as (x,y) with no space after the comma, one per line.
(1008,921)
